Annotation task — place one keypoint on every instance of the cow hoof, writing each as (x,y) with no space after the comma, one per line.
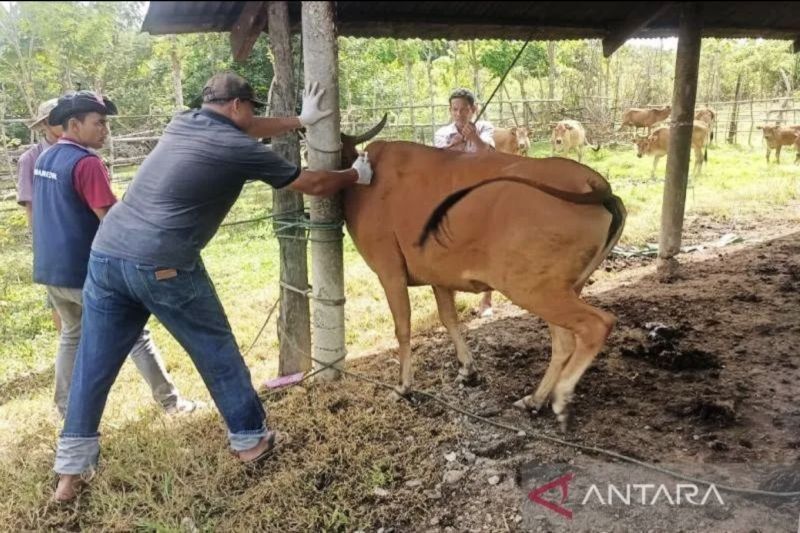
(564,421)
(523,405)
(398,394)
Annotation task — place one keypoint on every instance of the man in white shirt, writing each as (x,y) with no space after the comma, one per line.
(464,136)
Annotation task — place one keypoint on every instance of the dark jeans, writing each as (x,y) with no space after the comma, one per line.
(118,298)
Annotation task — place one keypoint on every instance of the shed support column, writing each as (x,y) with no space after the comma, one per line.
(321,64)
(683,99)
(294,330)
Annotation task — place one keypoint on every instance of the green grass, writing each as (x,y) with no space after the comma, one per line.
(160,473)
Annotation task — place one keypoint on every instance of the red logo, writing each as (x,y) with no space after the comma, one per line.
(563,484)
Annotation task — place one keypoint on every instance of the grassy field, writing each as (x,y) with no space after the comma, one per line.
(157,466)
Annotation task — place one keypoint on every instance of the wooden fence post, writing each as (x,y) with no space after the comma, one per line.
(294,329)
(683,98)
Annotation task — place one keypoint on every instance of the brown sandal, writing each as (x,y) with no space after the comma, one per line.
(270,438)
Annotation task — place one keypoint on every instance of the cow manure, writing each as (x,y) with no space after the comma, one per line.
(711,412)
(660,348)
(668,357)
(747,297)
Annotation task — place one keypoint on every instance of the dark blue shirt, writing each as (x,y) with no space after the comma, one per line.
(185,188)
(63,224)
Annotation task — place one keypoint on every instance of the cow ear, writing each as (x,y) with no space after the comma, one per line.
(569,126)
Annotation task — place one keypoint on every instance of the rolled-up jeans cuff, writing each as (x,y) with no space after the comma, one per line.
(244,440)
(76,455)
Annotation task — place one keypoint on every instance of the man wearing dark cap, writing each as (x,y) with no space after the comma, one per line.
(146,260)
(71,195)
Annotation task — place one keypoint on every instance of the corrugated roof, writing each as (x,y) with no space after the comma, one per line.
(503,20)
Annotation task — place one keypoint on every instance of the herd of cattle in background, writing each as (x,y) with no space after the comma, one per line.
(569,135)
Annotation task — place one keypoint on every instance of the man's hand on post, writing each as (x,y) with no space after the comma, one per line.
(311,113)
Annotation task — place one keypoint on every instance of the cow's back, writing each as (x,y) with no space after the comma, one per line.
(386,218)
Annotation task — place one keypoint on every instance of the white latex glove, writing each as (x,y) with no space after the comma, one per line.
(311,113)
(364,169)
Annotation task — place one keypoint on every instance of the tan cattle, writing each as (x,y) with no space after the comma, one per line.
(568,135)
(644,118)
(533,229)
(512,140)
(777,137)
(657,145)
(705,115)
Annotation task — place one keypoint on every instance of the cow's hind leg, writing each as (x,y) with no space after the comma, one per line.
(445,302)
(589,325)
(563,345)
(400,306)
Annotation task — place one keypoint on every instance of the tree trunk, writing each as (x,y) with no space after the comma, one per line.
(551,70)
(409,64)
(431,92)
(476,69)
(294,330)
(177,87)
(320,55)
(735,112)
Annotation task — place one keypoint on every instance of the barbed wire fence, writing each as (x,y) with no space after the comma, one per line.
(133,137)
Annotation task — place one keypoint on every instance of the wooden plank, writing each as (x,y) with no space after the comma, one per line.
(642,14)
(245,31)
(684,94)
(294,319)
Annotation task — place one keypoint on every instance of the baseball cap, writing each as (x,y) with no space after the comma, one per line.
(74,103)
(43,111)
(227,86)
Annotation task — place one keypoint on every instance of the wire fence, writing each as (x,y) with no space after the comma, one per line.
(133,137)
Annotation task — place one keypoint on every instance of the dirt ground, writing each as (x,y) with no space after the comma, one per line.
(701,375)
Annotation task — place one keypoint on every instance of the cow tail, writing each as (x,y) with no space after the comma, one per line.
(598,195)
(614,206)
(705,154)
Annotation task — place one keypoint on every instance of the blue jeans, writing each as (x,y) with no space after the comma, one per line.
(118,298)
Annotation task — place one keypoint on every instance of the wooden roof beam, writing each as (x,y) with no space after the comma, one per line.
(640,16)
(245,31)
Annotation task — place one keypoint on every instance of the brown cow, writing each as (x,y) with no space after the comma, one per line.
(797,148)
(512,140)
(569,134)
(777,137)
(657,144)
(533,229)
(644,118)
(706,115)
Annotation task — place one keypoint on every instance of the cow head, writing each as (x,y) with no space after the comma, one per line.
(642,146)
(520,134)
(770,132)
(560,130)
(349,142)
(706,115)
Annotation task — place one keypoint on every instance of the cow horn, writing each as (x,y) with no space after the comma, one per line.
(364,137)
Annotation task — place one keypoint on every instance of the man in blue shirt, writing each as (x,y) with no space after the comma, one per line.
(146,260)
